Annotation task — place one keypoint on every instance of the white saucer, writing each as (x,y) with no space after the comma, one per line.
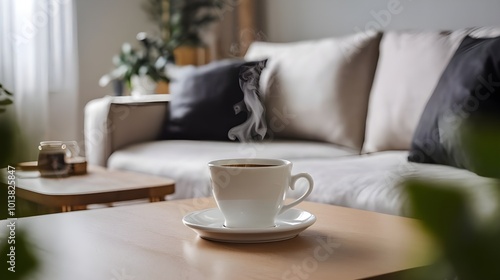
(209,224)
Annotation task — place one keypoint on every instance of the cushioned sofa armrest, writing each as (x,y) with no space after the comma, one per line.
(112,123)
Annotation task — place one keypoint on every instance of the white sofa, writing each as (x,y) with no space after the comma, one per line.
(352,104)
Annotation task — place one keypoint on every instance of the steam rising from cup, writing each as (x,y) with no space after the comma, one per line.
(255,127)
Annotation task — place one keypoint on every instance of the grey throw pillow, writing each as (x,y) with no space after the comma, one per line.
(467,93)
(208,101)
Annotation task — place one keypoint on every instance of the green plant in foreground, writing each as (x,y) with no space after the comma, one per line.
(7,129)
(5,98)
(25,260)
(470,246)
(469,241)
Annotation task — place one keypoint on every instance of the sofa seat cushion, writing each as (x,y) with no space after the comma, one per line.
(186,161)
(374,182)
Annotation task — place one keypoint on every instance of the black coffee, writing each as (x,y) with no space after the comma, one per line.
(248,165)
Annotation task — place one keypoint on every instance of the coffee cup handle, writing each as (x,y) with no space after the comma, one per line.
(292,186)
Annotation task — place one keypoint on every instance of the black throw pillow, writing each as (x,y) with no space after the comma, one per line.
(207,101)
(467,93)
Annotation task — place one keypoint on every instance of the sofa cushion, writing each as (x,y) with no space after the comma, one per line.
(483,32)
(408,70)
(468,90)
(371,182)
(259,50)
(318,90)
(186,161)
(375,182)
(207,101)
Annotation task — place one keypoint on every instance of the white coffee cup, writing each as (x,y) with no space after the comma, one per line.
(251,192)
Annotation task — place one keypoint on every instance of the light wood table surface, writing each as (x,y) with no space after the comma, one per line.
(149,241)
(98,186)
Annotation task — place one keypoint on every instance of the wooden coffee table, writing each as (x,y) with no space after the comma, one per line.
(98,186)
(149,241)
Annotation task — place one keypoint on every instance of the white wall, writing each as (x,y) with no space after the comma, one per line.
(293,20)
(103,26)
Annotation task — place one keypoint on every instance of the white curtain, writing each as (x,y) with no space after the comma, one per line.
(38,57)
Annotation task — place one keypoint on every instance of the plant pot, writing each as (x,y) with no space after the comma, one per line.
(186,55)
(162,87)
(142,85)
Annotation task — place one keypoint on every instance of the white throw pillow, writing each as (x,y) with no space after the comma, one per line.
(318,90)
(484,32)
(409,68)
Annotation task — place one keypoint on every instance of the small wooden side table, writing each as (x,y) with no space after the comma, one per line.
(98,186)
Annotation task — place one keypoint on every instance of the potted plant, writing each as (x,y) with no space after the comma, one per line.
(181,23)
(140,69)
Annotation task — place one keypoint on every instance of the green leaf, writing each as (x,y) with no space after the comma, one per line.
(127,48)
(6,101)
(442,209)
(25,262)
(445,211)
(5,90)
(481,138)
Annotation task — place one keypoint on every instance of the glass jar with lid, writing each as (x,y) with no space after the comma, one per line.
(51,159)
